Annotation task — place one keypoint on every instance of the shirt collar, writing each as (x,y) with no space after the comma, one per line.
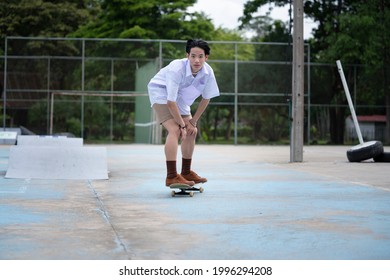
(203,70)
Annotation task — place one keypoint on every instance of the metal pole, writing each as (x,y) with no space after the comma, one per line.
(354,86)
(50,128)
(5,83)
(308,96)
(160,56)
(51,113)
(348,95)
(82,88)
(235,93)
(296,145)
(112,102)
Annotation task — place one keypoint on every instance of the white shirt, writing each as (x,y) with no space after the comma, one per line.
(176,83)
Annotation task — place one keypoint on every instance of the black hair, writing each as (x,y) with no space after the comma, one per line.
(198,43)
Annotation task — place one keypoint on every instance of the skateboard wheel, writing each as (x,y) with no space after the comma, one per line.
(191,194)
(173,193)
(201,189)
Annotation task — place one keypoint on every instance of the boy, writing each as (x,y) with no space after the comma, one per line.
(171,92)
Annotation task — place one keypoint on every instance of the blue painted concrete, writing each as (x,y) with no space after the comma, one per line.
(252,208)
(37,190)
(13,215)
(297,216)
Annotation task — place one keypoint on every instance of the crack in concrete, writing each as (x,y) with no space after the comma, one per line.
(106,217)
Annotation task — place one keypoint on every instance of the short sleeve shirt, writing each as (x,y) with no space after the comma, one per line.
(176,83)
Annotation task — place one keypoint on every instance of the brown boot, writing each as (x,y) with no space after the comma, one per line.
(178,180)
(192,176)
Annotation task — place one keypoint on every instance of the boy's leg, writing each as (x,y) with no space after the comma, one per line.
(188,146)
(187,150)
(172,140)
(170,149)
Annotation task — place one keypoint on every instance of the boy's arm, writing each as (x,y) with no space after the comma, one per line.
(172,106)
(199,111)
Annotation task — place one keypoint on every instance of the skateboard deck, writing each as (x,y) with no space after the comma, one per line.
(185,189)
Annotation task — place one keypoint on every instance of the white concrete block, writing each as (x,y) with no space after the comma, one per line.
(39,162)
(38,140)
(8,137)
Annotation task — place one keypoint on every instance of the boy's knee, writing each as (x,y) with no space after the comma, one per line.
(193,135)
(175,133)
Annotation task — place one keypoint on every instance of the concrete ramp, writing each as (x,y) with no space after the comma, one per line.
(37,140)
(8,136)
(37,157)
(36,162)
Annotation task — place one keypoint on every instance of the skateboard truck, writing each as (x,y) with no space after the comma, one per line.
(185,189)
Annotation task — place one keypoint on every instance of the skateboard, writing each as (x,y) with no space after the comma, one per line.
(185,189)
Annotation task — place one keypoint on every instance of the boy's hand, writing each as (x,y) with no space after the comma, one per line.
(191,129)
(183,132)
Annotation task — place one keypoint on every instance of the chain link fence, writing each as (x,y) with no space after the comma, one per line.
(96,89)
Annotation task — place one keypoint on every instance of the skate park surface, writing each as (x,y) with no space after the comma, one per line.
(256,205)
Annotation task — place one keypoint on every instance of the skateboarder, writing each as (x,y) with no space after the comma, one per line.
(171,92)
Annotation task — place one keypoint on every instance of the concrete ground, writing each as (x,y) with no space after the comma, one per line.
(256,205)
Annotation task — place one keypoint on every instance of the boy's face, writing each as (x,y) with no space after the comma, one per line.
(197,58)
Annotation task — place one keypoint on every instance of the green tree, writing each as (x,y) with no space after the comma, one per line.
(44,17)
(357,32)
(364,38)
(153,19)
(40,18)
(222,116)
(268,77)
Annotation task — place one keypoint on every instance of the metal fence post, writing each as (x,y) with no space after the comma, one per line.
(82,87)
(5,83)
(235,93)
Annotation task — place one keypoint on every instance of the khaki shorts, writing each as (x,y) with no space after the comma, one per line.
(163,114)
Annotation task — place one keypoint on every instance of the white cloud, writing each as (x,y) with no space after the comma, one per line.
(225,13)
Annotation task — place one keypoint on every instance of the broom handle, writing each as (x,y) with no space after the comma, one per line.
(355,121)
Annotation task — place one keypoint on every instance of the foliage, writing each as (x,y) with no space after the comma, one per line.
(147,19)
(356,32)
(124,19)
(251,7)
(47,18)
(67,118)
